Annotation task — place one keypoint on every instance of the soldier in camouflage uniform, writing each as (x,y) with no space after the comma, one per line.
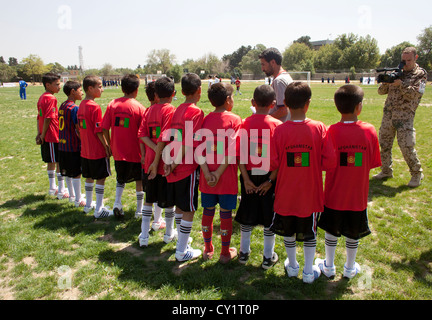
(403,98)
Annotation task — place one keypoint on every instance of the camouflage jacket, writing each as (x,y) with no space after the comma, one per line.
(405,98)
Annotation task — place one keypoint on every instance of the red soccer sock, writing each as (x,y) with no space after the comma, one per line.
(207,228)
(226,227)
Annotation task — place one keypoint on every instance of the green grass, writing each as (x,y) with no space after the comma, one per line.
(41,238)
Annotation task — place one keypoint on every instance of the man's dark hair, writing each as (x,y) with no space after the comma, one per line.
(90,81)
(71,85)
(150,90)
(264,95)
(347,97)
(130,83)
(164,87)
(190,83)
(271,54)
(49,78)
(297,94)
(219,92)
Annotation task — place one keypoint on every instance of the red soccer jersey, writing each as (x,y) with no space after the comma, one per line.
(90,123)
(124,116)
(157,120)
(216,147)
(301,151)
(47,109)
(186,121)
(357,151)
(258,130)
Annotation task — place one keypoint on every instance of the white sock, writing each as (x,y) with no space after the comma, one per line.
(269,243)
(99,189)
(140,200)
(351,252)
(178,219)
(147,213)
(119,192)
(70,187)
(169,219)
(183,236)
(309,248)
(51,179)
(290,248)
(245,238)
(157,213)
(89,193)
(61,184)
(76,183)
(330,248)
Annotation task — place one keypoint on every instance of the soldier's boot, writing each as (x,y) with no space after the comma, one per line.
(416,179)
(383,175)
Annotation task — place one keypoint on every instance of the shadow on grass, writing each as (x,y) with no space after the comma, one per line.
(420,267)
(378,188)
(24,201)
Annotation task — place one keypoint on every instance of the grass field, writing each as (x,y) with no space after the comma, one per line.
(49,250)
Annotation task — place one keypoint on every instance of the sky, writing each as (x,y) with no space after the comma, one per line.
(123,32)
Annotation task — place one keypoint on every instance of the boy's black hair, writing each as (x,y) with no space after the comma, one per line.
(264,95)
(150,90)
(90,81)
(347,97)
(297,94)
(190,83)
(219,92)
(71,85)
(49,78)
(164,87)
(130,83)
(270,54)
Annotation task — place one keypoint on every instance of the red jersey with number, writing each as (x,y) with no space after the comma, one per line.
(301,151)
(123,117)
(186,121)
(157,120)
(90,123)
(47,109)
(218,139)
(254,146)
(357,151)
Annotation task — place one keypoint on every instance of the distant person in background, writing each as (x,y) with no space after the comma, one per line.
(23,89)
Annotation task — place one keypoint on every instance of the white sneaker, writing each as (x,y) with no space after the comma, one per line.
(88,209)
(62,196)
(118,210)
(143,242)
(72,199)
(168,239)
(292,272)
(159,225)
(188,255)
(311,277)
(103,213)
(329,272)
(53,192)
(350,273)
(81,203)
(138,214)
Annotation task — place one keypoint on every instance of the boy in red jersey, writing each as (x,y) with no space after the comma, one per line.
(156,121)
(223,188)
(95,150)
(48,133)
(347,186)
(182,173)
(123,117)
(69,142)
(301,150)
(256,208)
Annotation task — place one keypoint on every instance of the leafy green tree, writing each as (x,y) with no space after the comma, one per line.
(425,48)
(6,72)
(327,58)
(363,54)
(298,57)
(234,59)
(392,57)
(160,60)
(250,61)
(34,67)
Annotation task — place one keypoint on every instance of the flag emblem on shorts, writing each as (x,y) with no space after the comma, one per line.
(83,124)
(155,132)
(298,159)
(121,122)
(351,159)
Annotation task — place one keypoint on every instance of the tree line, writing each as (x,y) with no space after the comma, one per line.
(347,53)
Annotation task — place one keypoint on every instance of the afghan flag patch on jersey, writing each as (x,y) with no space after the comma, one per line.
(155,132)
(258,149)
(351,159)
(298,159)
(215,147)
(122,122)
(82,124)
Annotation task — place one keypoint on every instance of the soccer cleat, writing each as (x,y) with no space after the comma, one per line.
(416,180)
(224,259)
(138,214)
(311,277)
(291,271)
(88,209)
(118,210)
(103,213)
(269,262)
(72,199)
(350,273)
(159,225)
(172,237)
(188,255)
(62,196)
(53,192)
(382,175)
(143,242)
(329,272)
(208,255)
(81,203)
(243,257)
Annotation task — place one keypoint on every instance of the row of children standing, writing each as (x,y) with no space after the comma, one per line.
(287,198)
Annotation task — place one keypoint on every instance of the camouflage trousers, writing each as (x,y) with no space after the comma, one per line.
(401,126)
